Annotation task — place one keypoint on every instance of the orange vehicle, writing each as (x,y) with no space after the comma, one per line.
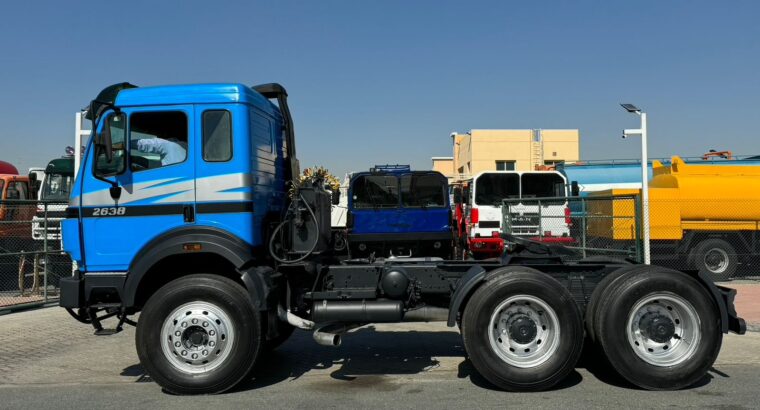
(15,217)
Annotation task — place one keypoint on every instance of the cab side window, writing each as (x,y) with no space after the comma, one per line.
(217,136)
(20,189)
(157,139)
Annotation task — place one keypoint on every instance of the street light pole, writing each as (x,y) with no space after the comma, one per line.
(642,131)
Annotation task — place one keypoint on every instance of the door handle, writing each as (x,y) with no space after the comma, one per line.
(189,213)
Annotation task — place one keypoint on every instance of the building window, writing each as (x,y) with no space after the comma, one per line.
(505,165)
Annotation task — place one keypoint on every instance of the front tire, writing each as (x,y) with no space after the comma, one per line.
(522,330)
(199,335)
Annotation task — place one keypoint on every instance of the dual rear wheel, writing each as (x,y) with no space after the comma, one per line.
(658,328)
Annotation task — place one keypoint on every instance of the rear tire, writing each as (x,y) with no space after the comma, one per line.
(659,328)
(199,334)
(716,259)
(522,330)
(591,314)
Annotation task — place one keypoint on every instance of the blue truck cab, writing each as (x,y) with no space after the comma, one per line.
(393,210)
(193,176)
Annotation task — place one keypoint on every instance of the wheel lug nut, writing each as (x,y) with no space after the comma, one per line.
(212,343)
(184,353)
(177,333)
(205,352)
(205,324)
(184,324)
(195,321)
(195,356)
(177,344)
(211,332)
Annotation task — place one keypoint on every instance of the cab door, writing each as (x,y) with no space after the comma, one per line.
(154,170)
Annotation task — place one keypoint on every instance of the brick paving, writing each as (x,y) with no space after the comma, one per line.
(747,302)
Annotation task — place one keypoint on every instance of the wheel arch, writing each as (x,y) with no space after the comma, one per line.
(190,250)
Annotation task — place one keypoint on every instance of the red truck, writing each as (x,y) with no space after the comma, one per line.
(15,218)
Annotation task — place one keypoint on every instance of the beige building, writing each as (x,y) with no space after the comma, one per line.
(503,150)
(444,165)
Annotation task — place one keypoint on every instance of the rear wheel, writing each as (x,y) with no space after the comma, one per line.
(522,330)
(715,258)
(591,314)
(199,335)
(659,329)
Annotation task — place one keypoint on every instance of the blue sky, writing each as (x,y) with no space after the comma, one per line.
(386,82)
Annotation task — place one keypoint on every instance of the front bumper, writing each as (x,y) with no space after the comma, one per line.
(86,290)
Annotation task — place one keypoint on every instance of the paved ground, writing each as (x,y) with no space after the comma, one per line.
(48,360)
(747,302)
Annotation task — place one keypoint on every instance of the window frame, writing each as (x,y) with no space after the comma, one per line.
(444,191)
(129,138)
(203,134)
(386,206)
(506,162)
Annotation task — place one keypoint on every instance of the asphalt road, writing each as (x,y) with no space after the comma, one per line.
(47,360)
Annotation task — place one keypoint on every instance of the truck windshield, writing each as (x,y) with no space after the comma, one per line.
(542,185)
(422,191)
(491,189)
(57,187)
(375,191)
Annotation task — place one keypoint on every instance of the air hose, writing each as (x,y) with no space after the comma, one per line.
(292,209)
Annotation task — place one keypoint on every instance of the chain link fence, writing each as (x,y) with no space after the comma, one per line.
(719,237)
(31,259)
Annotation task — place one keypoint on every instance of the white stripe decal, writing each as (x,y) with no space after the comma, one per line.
(209,189)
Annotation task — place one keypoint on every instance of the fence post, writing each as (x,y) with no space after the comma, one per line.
(45,255)
(584,217)
(638,204)
(540,222)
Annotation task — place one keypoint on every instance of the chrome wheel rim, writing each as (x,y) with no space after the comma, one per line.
(716,260)
(663,329)
(524,331)
(197,337)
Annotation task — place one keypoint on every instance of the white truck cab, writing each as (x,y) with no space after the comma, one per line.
(548,222)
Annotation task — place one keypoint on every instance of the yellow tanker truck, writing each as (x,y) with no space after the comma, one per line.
(703,217)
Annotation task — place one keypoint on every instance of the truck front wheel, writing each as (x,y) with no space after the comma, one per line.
(659,328)
(199,335)
(522,330)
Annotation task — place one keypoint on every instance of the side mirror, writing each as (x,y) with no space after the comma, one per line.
(574,190)
(33,177)
(336,197)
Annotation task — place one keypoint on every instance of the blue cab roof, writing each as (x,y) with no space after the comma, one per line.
(195,94)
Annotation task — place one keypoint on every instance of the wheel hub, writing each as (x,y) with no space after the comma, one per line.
(657,327)
(523,329)
(197,337)
(663,329)
(716,260)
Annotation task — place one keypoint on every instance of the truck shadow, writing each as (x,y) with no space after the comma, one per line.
(367,357)
(595,363)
